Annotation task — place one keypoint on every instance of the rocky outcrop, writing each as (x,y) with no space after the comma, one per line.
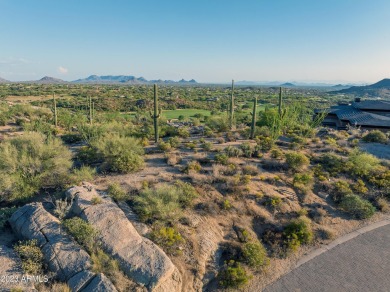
(11,273)
(63,256)
(139,258)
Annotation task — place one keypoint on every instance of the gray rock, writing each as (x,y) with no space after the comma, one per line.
(64,257)
(100,283)
(141,260)
(80,280)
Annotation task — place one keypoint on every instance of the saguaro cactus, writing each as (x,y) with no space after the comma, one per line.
(253,113)
(55,111)
(231,115)
(280,102)
(90,111)
(156,115)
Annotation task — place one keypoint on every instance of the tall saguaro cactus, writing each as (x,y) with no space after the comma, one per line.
(253,113)
(156,115)
(55,111)
(90,111)
(231,115)
(280,102)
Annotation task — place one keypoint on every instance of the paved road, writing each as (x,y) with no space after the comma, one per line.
(360,264)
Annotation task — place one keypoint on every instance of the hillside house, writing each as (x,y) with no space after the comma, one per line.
(367,114)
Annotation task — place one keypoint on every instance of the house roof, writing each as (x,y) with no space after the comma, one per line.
(372,105)
(358,117)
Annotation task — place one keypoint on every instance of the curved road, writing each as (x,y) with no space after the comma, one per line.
(358,264)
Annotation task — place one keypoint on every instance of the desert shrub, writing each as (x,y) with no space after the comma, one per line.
(88,155)
(221,158)
(5,214)
(325,233)
(332,163)
(360,187)
(164,146)
(361,164)
(380,178)
(116,192)
(218,123)
(330,141)
(168,238)
(247,149)
(121,154)
(226,205)
(265,143)
(208,146)
(232,151)
(298,232)
(103,263)
(297,161)
(193,166)
(83,232)
(276,153)
(191,145)
(233,275)
(383,204)
(183,132)
(254,254)
(31,256)
(303,182)
(320,173)
(250,170)
(172,158)
(163,203)
(187,193)
(31,162)
(220,140)
(357,207)
(62,208)
(174,141)
(375,136)
(341,189)
(273,201)
(84,173)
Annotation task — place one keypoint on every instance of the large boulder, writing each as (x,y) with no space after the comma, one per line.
(63,256)
(141,260)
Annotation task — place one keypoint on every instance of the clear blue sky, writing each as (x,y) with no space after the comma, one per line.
(210,41)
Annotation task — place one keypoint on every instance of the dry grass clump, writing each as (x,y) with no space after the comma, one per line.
(172,158)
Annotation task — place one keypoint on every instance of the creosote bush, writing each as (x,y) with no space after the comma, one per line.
(164,202)
(361,164)
(254,254)
(168,238)
(357,207)
(121,154)
(298,232)
(233,275)
(375,136)
(31,256)
(31,162)
(83,232)
(297,161)
(116,192)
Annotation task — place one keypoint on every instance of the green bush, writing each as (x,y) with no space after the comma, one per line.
(164,146)
(254,254)
(297,161)
(298,232)
(361,163)
(375,136)
(116,192)
(83,232)
(31,256)
(341,189)
(193,166)
(120,154)
(218,123)
(265,143)
(31,162)
(357,207)
(174,141)
(233,275)
(221,158)
(331,163)
(164,202)
(187,193)
(276,153)
(247,149)
(5,214)
(232,151)
(168,238)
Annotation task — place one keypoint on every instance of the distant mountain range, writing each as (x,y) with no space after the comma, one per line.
(379,89)
(108,79)
(3,80)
